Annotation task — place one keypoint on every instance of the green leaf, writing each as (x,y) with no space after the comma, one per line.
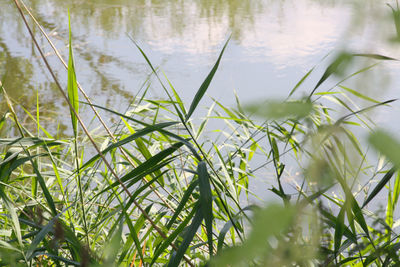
(358,94)
(3,120)
(228,225)
(43,185)
(386,145)
(182,203)
(149,165)
(275,150)
(396,190)
(267,222)
(331,220)
(352,207)
(359,217)
(379,186)
(345,117)
(175,136)
(206,201)
(14,217)
(278,109)
(300,82)
(375,56)
(31,142)
(191,231)
(72,84)
(204,86)
(339,229)
(337,67)
(172,236)
(340,64)
(177,98)
(7,167)
(138,134)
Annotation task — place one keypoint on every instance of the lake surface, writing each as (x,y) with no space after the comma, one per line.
(274,44)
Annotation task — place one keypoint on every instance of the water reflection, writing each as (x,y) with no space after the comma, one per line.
(100,28)
(274,43)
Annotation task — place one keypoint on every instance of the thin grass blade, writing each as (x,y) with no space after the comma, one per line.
(204,86)
(339,229)
(182,203)
(72,84)
(189,235)
(206,201)
(172,236)
(386,178)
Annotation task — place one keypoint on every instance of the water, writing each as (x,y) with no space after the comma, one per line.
(274,43)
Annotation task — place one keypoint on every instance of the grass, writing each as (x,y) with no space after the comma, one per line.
(150,191)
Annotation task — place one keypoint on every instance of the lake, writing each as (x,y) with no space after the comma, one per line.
(274,44)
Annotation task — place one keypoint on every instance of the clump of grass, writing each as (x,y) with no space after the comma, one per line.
(149,191)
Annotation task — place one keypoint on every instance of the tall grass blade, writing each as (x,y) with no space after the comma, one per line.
(228,225)
(342,60)
(43,185)
(150,165)
(72,84)
(339,229)
(300,82)
(358,94)
(6,165)
(358,215)
(206,201)
(57,258)
(386,178)
(204,86)
(6,168)
(42,234)
(375,56)
(177,256)
(396,190)
(182,203)
(138,134)
(14,217)
(171,237)
(175,136)
(113,246)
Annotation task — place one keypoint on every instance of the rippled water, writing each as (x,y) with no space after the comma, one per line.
(274,43)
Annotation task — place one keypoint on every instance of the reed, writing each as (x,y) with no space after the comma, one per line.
(151,190)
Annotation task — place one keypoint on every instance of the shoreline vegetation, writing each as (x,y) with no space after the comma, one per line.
(149,190)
